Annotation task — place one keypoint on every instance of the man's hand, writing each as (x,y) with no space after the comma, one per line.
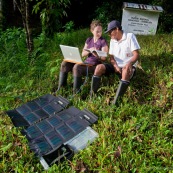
(127,71)
(128,66)
(117,69)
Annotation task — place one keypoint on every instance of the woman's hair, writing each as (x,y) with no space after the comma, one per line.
(94,24)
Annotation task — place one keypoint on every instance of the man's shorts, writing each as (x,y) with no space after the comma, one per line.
(110,70)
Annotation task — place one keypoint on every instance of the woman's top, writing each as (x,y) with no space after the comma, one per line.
(101,42)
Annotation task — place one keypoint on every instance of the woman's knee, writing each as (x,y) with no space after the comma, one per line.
(77,70)
(66,67)
(100,69)
(63,67)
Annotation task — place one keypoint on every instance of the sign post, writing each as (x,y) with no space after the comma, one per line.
(140,19)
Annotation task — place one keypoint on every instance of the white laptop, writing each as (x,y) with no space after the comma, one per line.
(71,54)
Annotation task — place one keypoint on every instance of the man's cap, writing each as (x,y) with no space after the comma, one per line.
(113,24)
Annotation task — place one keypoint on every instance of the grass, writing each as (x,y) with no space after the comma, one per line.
(134,137)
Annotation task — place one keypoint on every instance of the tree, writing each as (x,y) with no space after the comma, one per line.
(23,7)
(1,15)
(51,11)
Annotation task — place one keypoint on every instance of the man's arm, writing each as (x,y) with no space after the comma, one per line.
(128,68)
(114,63)
(135,57)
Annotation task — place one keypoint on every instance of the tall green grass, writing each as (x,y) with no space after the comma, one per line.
(134,137)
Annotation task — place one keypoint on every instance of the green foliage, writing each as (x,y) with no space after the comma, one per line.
(134,137)
(106,11)
(69,26)
(51,11)
(13,56)
(165,18)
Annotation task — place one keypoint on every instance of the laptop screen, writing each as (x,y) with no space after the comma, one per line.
(71,54)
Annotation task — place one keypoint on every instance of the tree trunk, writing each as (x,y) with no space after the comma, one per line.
(1,15)
(23,7)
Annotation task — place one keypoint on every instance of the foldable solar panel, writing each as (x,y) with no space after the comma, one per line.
(76,125)
(40,146)
(44,126)
(54,121)
(54,139)
(62,126)
(33,106)
(31,118)
(17,119)
(32,132)
(54,132)
(37,110)
(23,110)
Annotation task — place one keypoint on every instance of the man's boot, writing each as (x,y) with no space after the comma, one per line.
(95,84)
(77,84)
(62,80)
(123,85)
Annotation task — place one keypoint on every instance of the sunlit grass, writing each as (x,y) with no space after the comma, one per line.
(134,137)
